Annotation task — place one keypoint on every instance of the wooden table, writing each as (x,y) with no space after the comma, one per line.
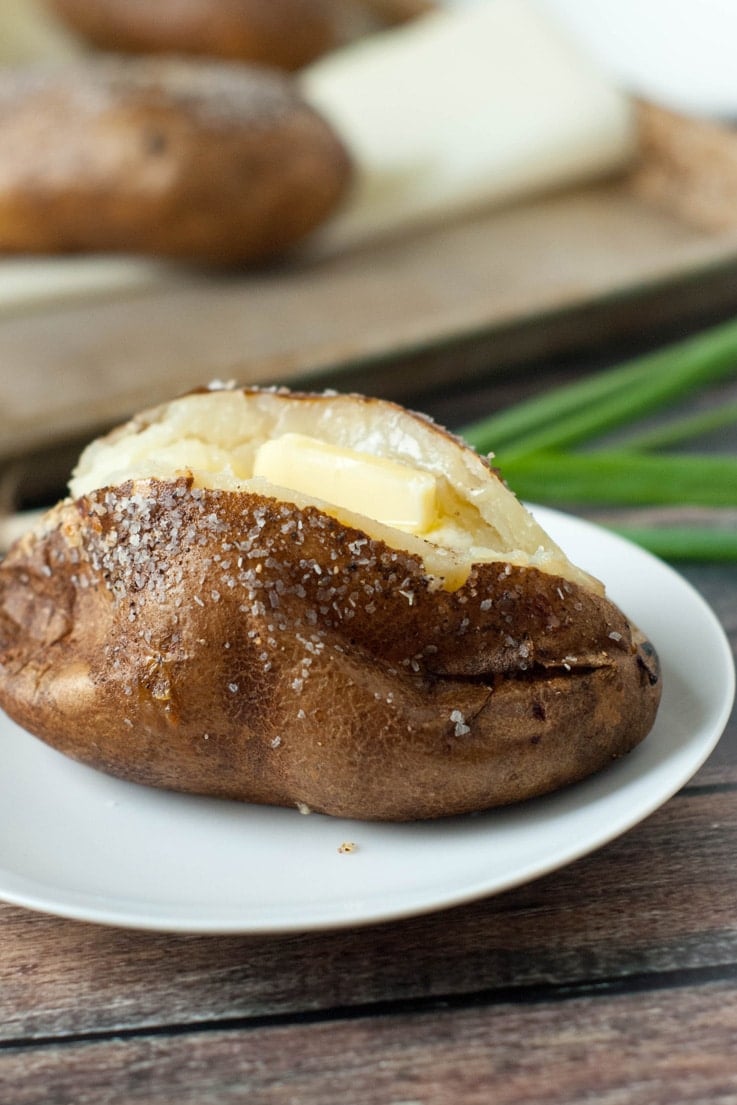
(611,981)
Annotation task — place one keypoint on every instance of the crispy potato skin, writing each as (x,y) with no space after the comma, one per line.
(210,162)
(228,644)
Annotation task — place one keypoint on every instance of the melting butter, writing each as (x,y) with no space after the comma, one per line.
(392,493)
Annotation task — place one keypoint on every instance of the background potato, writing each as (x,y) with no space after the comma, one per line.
(284,33)
(188,159)
(236,643)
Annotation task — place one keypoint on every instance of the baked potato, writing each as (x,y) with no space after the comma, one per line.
(284,33)
(213,162)
(321,601)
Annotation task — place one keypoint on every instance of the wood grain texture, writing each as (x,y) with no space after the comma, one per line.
(661,1046)
(718,585)
(663,898)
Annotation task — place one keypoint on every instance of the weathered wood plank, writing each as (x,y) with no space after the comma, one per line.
(665,1046)
(662,898)
(718,585)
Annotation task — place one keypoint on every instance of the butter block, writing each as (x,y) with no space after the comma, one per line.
(389,492)
(463,109)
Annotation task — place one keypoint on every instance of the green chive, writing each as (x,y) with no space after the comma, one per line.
(577,412)
(683,542)
(623,478)
(679,430)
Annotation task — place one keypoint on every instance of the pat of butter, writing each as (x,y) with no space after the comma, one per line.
(385,490)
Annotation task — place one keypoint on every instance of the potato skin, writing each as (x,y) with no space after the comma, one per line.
(283,33)
(228,644)
(200,161)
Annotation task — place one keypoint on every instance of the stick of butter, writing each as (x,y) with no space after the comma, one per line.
(462,109)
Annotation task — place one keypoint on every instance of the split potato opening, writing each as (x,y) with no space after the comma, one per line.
(372,465)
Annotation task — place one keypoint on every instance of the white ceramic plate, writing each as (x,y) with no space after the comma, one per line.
(79,844)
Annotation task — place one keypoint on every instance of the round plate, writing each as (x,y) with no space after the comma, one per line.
(79,844)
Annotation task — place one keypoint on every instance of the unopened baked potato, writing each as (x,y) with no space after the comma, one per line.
(181,158)
(283,33)
(318,601)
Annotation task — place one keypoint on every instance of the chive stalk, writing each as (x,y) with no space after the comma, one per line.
(506,428)
(683,542)
(679,430)
(623,478)
(577,412)
(534,442)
